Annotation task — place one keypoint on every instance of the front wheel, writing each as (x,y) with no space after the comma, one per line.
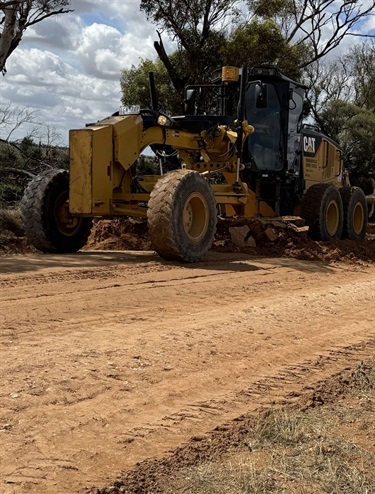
(45,212)
(322,210)
(355,213)
(182,216)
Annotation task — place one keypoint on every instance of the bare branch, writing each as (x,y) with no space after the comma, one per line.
(177,81)
(19,117)
(21,14)
(318,25)
(17,171)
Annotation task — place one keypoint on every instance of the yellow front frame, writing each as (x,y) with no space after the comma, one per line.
(101,157)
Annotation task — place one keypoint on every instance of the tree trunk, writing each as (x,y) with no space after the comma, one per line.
(177,81)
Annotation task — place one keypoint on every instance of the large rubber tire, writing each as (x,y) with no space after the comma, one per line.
(182,216)
(323,212)
(45,212)
(355,213)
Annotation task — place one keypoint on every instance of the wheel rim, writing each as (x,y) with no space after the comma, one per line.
(358,218)
(66,223)
(332,218)
(195,217)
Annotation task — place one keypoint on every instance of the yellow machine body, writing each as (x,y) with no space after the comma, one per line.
(102,155)
(252,157)
(322,160)
(269,177)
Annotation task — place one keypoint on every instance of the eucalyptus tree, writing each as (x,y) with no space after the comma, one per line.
(199,28)
(320,25)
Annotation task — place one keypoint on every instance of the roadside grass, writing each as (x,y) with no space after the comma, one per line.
(12,234)
(328,448)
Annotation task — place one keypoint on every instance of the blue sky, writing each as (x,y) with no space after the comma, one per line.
(68,67)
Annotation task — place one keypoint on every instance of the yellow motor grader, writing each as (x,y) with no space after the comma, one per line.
(251,157)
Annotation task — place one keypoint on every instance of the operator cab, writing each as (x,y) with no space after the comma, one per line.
(271,155)
(274,106)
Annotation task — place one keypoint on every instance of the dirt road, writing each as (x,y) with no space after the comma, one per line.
(111,358)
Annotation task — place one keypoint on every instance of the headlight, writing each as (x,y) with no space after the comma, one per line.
(164,121)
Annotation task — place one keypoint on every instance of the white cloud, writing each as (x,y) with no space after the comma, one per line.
(36,67)
(69,66)
(369,25)
(58,33)
(103,50)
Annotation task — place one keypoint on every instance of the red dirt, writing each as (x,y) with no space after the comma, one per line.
(291,242)
(113,358)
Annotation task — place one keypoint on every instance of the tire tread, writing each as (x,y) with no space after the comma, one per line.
(161,219)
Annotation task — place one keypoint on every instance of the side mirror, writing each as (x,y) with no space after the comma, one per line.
(261,99)
(190,100)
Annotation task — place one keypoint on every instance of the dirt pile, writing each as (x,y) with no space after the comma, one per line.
(119,234)
(260,237)
(255,237)
(288,239)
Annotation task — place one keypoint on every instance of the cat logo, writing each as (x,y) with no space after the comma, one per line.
(309,144)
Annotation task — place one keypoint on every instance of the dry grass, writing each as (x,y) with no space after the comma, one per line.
(232,478)
(11,223)
(327,449)
(292,454)
(12,235)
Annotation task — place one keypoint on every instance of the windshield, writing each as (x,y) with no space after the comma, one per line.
(263,112)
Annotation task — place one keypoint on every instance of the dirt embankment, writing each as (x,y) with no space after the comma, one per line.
(254,237)
(324,442)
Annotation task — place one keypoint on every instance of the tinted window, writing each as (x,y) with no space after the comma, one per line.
(264,144)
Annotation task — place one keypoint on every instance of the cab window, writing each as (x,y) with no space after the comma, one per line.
(263,112)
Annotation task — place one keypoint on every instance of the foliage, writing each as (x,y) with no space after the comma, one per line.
(342,102)
(351,78)
(19,15)
(354,128)
(262,42)
(21,161)
(147,165)
(9,193)
(211,33)
(272,8)
(136,90)
(199,27)
(191,22)
(361,60)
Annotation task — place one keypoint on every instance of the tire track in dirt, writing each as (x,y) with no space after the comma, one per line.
(287,386)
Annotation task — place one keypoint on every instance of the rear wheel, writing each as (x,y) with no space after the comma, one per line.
(322,210)
(355,213)
(45,212)
(182,216)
